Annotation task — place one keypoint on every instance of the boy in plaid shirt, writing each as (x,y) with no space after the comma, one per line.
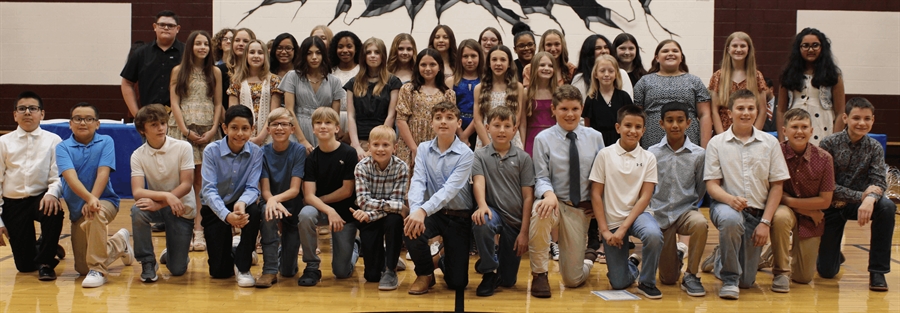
(381,182)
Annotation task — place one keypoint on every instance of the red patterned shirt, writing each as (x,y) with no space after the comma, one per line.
(811,173)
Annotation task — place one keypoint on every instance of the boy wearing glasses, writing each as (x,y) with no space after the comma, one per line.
(29,183)
(279,184)
(85,160)
(151,65)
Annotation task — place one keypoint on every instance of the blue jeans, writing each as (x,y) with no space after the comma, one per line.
(343,250)
(738,258)
(505,261)
(829,263)
(621,272)
(280,250)
(179,232)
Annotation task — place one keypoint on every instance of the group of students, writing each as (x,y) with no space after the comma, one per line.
(406,163)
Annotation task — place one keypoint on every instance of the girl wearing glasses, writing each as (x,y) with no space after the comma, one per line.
(222,44)
(738,71)
(255,87)
(374,95)
(523,46)
(811,81)
(283,55)
(196,96)
(233,57)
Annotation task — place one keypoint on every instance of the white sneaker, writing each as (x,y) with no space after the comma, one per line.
(245,279)
(128,254)
(254,258)
(163,257)
(683,248)
(554,251)
(401,265)
(435,247)
(408,257)
(93,280)
(199,242)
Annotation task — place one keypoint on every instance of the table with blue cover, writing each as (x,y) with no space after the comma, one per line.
(126,140)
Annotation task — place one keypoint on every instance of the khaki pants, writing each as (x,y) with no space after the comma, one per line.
(692,223)
(93,248)
(782,224)
(803,257)
(572,224)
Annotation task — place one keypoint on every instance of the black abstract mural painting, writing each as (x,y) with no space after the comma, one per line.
(590,11)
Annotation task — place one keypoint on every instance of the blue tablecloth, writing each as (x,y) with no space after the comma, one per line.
(127,140)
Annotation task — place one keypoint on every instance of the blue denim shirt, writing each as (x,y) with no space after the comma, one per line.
(442,179)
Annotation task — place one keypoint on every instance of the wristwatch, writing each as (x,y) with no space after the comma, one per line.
(765,221)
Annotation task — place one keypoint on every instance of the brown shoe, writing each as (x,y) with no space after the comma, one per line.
(540,285)
(266,280)
(421,285)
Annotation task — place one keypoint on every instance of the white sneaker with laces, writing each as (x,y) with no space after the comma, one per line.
(128,254)
(244,279)
(93,279)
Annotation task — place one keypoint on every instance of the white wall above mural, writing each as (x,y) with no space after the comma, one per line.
(690,20)
(63,43)
(865,45)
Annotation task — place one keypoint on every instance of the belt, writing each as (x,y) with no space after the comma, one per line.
(457,213)
(581,205)
(754,212)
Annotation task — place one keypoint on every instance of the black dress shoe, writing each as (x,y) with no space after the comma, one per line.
(46,273)
(489,283)
(877,282)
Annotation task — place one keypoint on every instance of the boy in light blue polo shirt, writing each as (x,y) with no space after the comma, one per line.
(85,160)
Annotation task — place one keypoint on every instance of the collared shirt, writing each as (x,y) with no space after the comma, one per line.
(151,67)
(504,177)
(230,177)
(381,192)
(551,160)
(680,181)
(623,174)
(811,173)
(857,165)
(86,159)
(28,165)
(161,169)
(746,168)
(441,180)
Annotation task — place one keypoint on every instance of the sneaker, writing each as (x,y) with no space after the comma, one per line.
(729,292)
(46,273)
(199,243)
(254,258)
(408,257)
(310,277)
(781,283)
(388,281)
(148,272)
(554,251)
(601,257)
(435,248)
(164,256)
(651,292)
(767,259)
(128,254)
(710,261)
(244,279)
(401,264)
(93,279)
(682,249)
(635,259)
(489,283)
(690,283)
(158,227)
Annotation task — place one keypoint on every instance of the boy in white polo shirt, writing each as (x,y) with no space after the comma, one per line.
(623,176)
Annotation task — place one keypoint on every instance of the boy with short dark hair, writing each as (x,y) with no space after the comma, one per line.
(231,170)
(440,202)
(503,178)
(680,171)
(562,155)
(859,175)
(87,159)
(808,192)
(279,183)
(744,172)
(328,189)
(162,181)
(623,177)
(381,181)
(30,186)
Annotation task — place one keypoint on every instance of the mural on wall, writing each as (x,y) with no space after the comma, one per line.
(588,10)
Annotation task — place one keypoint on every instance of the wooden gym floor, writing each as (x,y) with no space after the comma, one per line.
(197,292)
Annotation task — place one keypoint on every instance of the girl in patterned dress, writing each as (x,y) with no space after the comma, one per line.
(498,87)
(468,68)
(255,87)
(196,97)
(738,72)
(415,101)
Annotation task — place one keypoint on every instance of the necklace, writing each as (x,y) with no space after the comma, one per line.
(311,81)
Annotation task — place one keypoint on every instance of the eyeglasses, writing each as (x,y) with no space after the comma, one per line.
(228,39)
(166,25)
(284,49)
(281,125)
(85,120)
(809,47)
(22,109)
(525,45)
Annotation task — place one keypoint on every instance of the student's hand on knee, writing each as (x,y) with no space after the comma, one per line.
(175,204)
(478,216)
(146,204)
(864,213)
(335,221)
(521,246)
(49,205)
(414,224)
(240,207)
(404,212)
(360,215)
(872,189)
(761,235)
(237,219)
(276,210)
(3,233)
(549,206)
(738,203)
(817,216)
